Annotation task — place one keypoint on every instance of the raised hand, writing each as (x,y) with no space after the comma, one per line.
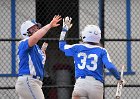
(67,23)
(55,20)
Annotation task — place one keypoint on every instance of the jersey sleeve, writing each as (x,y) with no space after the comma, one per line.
(24,45)
(67,49)
(109,65)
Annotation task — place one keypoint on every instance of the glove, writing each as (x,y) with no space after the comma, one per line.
(44,46)
(66,26)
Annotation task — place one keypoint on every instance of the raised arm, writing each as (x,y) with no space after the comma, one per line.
(41,32)
(66,26)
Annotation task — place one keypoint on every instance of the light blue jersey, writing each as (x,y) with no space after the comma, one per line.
(89,60)
(31,59)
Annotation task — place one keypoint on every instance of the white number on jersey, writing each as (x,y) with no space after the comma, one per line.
(93,61)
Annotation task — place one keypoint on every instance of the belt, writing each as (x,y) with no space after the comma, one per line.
(33,76)
(82,77)
(88,77)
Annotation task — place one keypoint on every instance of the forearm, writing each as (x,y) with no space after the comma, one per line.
(115,73)
(61,45)
(38,35)
(62,35)
(62,41)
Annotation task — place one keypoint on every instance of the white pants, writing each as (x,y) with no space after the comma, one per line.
(29,88)
(88,88)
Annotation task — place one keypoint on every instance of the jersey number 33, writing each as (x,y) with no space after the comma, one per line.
(88,61)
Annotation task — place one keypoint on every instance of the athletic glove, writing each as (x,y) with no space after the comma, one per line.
(66,26)
(44,46)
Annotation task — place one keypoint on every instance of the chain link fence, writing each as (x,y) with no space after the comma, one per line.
(118,19)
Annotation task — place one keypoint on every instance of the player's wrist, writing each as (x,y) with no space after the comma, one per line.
(62,35)
(47,27)
(65,28)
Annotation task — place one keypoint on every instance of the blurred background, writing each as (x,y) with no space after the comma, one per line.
(119,21)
